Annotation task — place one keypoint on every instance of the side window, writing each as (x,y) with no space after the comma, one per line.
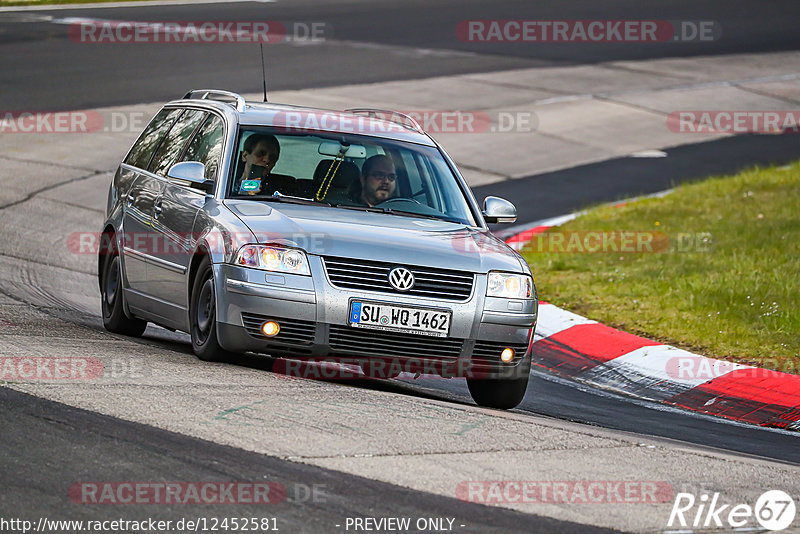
(206,146)
(420,180)
(443,187)
(142,150)
(414,179)
(173,143)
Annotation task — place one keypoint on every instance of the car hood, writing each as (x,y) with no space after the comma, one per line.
(326,231)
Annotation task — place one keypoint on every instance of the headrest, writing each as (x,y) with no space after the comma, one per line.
(347,173)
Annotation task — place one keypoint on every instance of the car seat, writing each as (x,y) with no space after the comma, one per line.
(344,181)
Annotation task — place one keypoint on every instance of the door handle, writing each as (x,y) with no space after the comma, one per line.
(157,210)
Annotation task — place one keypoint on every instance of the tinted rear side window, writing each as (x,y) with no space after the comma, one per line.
(144,147)
(173,143)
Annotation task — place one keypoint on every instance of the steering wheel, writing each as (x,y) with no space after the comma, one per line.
(400,199)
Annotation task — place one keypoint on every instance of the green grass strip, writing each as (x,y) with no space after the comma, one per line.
(715,267)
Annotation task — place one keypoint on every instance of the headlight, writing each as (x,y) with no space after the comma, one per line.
(269,258)
(510,286)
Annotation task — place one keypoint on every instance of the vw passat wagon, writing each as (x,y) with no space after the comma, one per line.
(310,234)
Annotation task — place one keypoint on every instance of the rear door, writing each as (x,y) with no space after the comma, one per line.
(160,271)
(177,210)
(139,204)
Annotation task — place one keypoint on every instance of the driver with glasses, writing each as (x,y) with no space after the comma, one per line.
(378,180)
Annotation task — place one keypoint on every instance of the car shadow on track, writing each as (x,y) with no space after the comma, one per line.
(301,370)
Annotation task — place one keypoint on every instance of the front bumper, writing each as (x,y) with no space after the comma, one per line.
(313,315)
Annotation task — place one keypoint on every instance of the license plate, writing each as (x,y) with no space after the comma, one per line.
(406,319)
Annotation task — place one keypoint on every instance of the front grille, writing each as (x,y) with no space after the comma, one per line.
(488,352)
(376,343)
(293,331)
(374,276)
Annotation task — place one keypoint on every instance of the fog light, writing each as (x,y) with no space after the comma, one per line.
(507,355)
(271,328)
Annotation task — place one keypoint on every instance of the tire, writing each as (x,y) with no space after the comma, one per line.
(112,298)
(501,393)
(203,316)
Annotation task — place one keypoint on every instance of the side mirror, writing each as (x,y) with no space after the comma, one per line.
(193,174)
(499,210)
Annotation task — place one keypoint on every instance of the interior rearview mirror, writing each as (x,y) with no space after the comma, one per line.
(332,148)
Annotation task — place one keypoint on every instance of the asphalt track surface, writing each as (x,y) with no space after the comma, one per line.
(41,69)
(123,450)
(565,191)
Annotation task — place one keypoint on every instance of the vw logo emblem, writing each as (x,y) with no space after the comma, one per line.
(401,279)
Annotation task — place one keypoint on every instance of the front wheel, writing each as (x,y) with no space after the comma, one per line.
(203,316)
(113,309)
(501,393)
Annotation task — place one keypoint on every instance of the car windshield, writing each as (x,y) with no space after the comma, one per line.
(346,171)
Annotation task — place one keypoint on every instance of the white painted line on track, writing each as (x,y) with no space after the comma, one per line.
(552,221)
(104,5)
(649,154)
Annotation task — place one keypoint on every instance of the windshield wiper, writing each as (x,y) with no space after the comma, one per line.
(362,208)
(280,197)
(424,216)
(399,213)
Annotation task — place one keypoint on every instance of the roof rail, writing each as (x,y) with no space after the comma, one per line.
(407,121)
(210,94)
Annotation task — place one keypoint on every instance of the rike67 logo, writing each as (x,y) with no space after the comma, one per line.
(774,510)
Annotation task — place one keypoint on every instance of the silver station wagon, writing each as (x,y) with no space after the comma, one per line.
(306,234)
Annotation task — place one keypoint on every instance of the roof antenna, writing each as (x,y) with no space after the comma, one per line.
(263,71)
